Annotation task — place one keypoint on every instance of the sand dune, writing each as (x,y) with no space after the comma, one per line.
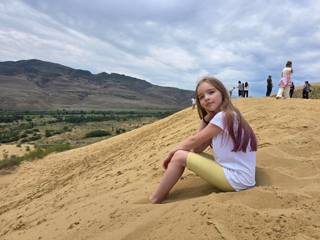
(100,191)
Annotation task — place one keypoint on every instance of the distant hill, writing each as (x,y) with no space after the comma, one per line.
(315,94)
(39,85)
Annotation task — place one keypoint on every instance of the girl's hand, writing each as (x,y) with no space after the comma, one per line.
(167,160)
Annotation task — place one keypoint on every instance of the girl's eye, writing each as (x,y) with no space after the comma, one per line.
(201,97)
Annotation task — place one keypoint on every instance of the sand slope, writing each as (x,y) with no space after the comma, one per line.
(100,191)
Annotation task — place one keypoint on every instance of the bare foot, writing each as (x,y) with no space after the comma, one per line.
(155,200)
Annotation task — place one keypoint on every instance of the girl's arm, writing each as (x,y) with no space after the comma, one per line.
(200,146)
(203,123)
(194,142)
(203,146)
(200,139)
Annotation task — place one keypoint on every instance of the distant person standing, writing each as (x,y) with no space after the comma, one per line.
(193,102)
(285,81)
(291,90)
(240,89)
(231,90)
(306,89)
(269,86)
(246,90)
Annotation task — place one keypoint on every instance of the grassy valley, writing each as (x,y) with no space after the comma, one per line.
(53,131)
(32,91)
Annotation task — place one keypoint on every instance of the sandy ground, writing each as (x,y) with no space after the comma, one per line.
(100,191)
(12,149)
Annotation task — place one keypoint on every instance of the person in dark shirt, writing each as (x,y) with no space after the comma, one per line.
(291,90)
(269,86)
(240,89)
(306,90)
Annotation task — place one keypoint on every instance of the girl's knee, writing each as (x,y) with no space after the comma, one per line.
(180,158)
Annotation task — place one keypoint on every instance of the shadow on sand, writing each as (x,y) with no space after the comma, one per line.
(191,187)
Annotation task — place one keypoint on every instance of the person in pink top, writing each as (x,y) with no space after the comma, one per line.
(285,81)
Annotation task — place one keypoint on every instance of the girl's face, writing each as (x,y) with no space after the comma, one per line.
(209,97)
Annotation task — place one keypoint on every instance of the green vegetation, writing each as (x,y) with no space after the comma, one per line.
(52,132)
(67,128)
(39,152)
(97,133)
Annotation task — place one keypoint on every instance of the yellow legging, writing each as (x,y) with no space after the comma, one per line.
(204,166)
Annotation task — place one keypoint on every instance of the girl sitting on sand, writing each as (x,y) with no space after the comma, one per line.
(233,141)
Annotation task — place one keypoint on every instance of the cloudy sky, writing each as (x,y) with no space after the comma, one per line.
(168,42)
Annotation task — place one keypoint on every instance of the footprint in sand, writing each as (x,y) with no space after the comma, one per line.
(72,225)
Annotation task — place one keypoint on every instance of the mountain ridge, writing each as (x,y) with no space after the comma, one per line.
(38,85)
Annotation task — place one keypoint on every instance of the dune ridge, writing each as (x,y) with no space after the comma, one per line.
(100,191)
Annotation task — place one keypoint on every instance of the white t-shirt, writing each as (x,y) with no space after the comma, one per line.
(287,75)
(239,167)
(286,72)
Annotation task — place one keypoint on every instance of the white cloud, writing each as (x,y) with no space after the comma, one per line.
(174,57)
(170,43)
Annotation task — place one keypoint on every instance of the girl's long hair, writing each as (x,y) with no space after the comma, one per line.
(289,64)
(243,135)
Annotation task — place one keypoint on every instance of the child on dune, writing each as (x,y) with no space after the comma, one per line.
(233,141)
